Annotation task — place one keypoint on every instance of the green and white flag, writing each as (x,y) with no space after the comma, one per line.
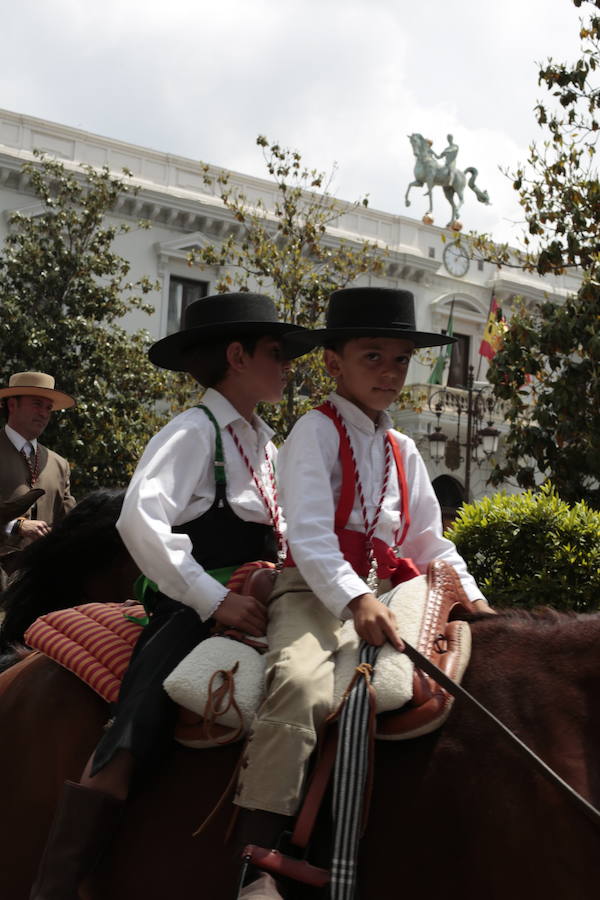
(439,373)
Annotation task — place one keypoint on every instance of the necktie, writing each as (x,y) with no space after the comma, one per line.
(31,459)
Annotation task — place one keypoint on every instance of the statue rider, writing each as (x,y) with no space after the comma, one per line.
(449,155)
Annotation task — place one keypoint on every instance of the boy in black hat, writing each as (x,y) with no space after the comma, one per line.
(353,490)
(201,503)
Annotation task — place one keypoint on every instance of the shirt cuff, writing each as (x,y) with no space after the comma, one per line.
(470,588)
(205,595)
(342,592)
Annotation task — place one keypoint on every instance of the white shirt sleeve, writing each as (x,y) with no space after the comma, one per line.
(304,467)
(424,540)
(174,463)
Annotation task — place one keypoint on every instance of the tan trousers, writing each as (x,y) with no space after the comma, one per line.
(303,639)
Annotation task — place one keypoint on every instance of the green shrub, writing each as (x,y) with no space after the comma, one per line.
(532,549)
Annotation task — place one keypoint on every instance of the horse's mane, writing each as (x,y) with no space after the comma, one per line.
(560,629)
(539,615)
(54,568)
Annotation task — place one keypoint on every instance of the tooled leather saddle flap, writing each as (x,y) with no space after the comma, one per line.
(442,640)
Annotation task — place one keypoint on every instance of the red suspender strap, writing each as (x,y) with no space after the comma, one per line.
(346,498)
(404,505)
(349,475)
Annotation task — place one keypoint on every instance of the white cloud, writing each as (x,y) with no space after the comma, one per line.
(340,80)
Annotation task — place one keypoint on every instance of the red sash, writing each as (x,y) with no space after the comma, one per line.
(353,544)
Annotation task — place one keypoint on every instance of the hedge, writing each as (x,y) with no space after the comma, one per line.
(532,549)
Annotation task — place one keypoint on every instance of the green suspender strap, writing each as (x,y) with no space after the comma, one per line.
(219,461)
(145,590)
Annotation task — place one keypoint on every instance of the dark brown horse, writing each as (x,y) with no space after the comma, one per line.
(457,813)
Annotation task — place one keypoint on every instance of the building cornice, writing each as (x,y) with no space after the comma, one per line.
(508,285)
(171,186)
(172,191)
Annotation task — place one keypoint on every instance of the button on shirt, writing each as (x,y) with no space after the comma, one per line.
(174,483)
(310,478)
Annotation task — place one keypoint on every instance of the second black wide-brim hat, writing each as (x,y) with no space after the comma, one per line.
(373,312)
(223,316)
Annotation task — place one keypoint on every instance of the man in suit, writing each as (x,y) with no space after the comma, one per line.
(25,464)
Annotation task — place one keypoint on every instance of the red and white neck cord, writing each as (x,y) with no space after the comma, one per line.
(271,505)
(370,528)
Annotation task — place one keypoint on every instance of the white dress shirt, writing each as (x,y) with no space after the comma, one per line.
(310,477)
(18,441)
(174,483)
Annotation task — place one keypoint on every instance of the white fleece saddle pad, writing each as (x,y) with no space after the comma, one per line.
(203,680)
(220,670)
(393,676)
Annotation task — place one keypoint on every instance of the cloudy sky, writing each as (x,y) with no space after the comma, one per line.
(342,81)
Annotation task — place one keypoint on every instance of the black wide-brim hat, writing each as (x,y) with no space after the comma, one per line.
(373,312)
(226,316)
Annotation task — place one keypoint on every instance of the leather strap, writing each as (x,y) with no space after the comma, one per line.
(279,864)
(321,774)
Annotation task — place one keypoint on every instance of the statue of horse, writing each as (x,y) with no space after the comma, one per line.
(428,171)
(457,812)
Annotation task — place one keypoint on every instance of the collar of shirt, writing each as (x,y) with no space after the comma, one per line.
(17,440)
(226,414)
(356,417)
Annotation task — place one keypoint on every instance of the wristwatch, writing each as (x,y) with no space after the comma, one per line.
(17,526)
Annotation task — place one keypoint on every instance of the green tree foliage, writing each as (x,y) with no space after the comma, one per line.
(63,291)
(532,549)
(283,248)
(548,372)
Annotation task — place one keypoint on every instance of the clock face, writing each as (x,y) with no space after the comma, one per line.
(456,260)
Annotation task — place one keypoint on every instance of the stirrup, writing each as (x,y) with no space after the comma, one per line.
(280,865)
(286,865)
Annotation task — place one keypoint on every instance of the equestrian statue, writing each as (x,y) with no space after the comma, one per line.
(428,171)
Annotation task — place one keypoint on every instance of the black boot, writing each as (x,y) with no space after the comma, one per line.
(82,828)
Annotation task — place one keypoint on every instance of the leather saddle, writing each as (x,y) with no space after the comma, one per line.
(445,640)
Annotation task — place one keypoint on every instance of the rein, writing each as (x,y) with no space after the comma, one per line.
(459,692)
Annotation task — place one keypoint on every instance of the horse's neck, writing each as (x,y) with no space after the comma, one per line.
(432,167)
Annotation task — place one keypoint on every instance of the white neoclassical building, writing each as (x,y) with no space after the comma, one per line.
(185,214)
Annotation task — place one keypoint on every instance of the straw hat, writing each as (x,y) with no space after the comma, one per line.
(36,384)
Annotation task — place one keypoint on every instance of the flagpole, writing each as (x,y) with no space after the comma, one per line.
(486,321)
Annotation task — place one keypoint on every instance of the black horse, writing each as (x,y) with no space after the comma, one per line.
(82,560)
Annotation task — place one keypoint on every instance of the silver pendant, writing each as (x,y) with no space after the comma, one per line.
(372,579)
